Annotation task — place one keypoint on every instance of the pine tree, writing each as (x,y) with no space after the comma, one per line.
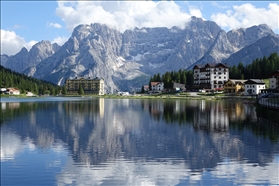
(80,90)
(64,90)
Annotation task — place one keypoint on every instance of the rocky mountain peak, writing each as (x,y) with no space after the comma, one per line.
(127,60)
(24,59)
(23,51)
(42,50)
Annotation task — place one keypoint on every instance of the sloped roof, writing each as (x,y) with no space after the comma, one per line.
(178,85)
(155,83)
(276,73)
(254,81)
(12,89)
(211,65)
(235,81)
(80,77)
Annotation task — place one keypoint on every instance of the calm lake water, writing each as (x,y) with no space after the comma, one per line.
(96,141)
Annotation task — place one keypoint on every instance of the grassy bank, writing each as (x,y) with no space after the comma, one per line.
(186,96)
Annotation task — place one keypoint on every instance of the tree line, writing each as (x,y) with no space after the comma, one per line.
(24,83)
(168,78)
(260,68)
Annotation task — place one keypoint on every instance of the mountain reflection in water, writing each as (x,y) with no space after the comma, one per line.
(149,142)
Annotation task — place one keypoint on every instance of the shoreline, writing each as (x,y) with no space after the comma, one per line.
(153,96)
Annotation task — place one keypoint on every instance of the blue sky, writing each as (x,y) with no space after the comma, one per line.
(24,23)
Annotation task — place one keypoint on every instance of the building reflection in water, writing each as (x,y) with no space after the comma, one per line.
(101,107)
(205,115)
(211,116)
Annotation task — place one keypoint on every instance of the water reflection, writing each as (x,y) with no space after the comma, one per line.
(152,142)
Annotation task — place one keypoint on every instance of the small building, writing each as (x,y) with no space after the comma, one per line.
(146,88)
(157,86)
(29,94)
(123,93)
(210,76)
(254,86)
(274,80)
(234,86)
(3,90)
(13,91)
(89,85)
(179,87)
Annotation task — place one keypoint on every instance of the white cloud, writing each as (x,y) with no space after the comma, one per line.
(124,15)
(215,4)
(11,43)
(247,15)
(55,25)
(10,146)
(59,40)
(195,12)
(247,173)
(135,172)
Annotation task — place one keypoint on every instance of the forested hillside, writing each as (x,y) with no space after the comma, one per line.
(259,69)
(10,78)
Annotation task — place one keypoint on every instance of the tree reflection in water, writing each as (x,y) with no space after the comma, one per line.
(97,131)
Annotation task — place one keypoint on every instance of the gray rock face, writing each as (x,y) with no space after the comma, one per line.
(263,47)
(4,59)
(24,59)
(127,60)
(227,44)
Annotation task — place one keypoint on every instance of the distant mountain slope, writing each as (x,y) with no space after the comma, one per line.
(259,49)
(127,60)
(24,59)
(4,59)
(227,44)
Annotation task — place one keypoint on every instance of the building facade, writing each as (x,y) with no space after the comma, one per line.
(254,86)
(89,85)
(274,80)
(210,76)
(234,86)
(157,86)
(13,91)
(179,87)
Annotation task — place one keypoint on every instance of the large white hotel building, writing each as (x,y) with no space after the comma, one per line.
(210,76)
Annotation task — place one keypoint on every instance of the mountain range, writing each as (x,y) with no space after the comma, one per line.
(127,60)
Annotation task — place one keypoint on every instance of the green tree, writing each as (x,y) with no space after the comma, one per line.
(142,89)
(53,91)
(183,78)
(47,92)
(80,90)
(36,90)
(64,90)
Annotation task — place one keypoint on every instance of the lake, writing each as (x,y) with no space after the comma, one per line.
(97,141)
